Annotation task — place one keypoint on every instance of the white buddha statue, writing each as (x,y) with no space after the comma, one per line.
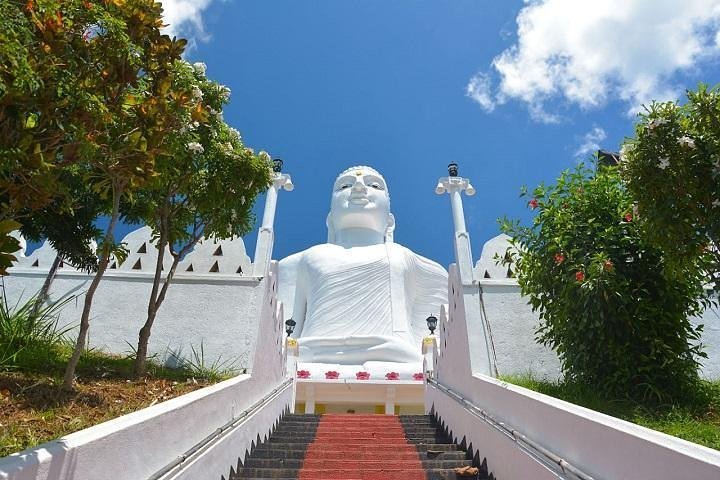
(360,301)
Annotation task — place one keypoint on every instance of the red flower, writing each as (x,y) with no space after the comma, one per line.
(559,258)
(628,217)
(362,375)
(608,265)
(419,376)
(533,203)
(332,375)
(392,376)
(303,374)
(580,276)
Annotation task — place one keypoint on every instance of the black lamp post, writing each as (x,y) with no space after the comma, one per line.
(431,323)
(453,169)
(277,165)
(289,326)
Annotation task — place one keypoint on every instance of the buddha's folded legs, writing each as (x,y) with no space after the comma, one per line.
(357,350)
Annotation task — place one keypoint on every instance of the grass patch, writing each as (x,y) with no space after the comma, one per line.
(695,419)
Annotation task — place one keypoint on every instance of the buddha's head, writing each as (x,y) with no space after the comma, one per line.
(360,200)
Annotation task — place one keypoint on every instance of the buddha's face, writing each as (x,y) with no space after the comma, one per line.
(360,200)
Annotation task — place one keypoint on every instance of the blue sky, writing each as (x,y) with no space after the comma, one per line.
(408,86)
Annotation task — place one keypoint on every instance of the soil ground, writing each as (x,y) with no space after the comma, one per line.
(33,410)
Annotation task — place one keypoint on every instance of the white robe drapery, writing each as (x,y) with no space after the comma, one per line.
(360,304)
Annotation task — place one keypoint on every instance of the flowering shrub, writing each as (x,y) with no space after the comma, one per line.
(332,375)
(608,308)
(672,167)
(303,374)
(392,376)
(362,375)
(419,376)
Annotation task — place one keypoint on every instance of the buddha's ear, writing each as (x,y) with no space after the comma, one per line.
(390,230)
(331,229)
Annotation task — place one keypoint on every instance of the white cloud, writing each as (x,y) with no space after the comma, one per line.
(591,142)
(184,18)
(480,90)
(586,52)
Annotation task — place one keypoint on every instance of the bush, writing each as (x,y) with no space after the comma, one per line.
(617,320)
(25,331)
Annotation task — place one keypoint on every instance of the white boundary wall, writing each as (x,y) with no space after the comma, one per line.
(599,445)
(513,323)
(135,446)
(211,304)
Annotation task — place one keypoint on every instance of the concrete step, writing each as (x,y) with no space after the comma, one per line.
(339,474)
(378,462)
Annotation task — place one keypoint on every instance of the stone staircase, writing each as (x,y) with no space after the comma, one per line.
(355,447)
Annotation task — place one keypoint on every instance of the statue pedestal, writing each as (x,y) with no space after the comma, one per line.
(360,396)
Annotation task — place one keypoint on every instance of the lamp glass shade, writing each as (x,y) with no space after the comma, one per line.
(453,169)
(289,326)
(277,165)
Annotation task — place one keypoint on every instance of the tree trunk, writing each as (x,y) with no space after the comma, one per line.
(69,378)
(45,290)
(156,300)
(144,335)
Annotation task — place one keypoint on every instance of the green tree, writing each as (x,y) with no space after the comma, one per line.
(672,168)
(136,111)
(51,97)
(205,186)
(68,223)
(617,320)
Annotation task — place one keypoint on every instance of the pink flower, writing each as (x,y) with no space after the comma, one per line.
(392,376)
(362,375)
(533,203)
(608,266)
(628,217)
(331,375)
(419,376)
(559,258)
(580,276)
(303,374)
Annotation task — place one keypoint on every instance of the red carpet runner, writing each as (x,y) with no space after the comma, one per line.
(361,447)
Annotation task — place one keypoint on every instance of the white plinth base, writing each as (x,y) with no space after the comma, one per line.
(360,396)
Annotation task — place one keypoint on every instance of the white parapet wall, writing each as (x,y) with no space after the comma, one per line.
(524,434)
(139,445)
(212,300)
(513,323)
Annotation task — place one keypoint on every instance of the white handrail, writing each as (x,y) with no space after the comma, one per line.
(218,432)
(530,445)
